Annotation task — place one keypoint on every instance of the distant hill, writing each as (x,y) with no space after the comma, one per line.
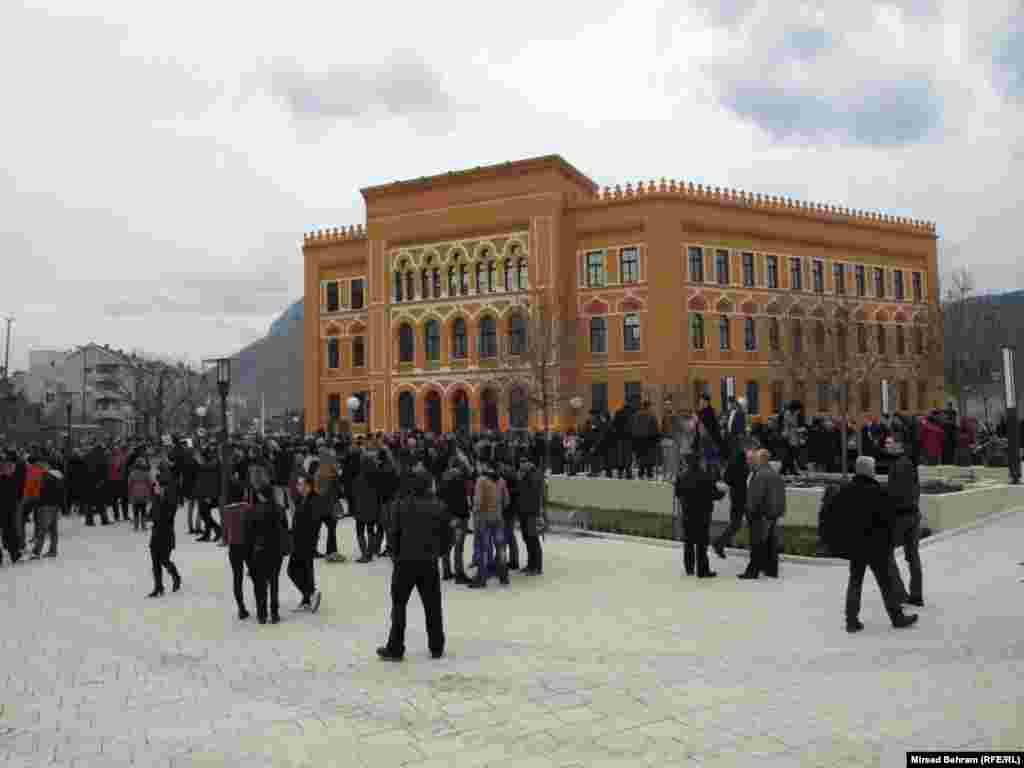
(272,366)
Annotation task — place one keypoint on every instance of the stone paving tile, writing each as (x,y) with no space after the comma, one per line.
(582,668)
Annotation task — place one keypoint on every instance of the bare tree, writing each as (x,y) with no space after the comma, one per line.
(972,332)
(164,393)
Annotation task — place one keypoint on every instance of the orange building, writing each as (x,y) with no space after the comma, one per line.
(669,289)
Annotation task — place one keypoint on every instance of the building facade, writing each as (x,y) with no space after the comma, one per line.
(99,383)
(661,290)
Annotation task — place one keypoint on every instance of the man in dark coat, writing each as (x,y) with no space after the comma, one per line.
(531,491)
(265,528)
(367,508)
(452,492)
(208,493)
(905,489)
(98,475)
(644,429)
(766,505)
(736,473)
(161,538)
(868,510)
(417,527)
(697,495)
(305,529)
(623,435)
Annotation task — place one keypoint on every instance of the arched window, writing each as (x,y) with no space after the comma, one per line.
(819,338)
(492,276)
(453,280)
(508,274)
(901,341)
(697,330)
(463,279)
(598,336)
(631,333)
(488,337)
(410,286)
(753,398)
(798,338)
(459,339)
(724,342)
(398,286)
(437,282)
(517,334)
(524,275)
(407,411)
(432,340)
(749,335)
(406,343)
(774,335)
(481,276)
(425,284)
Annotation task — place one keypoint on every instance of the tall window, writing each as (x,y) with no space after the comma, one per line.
(407,411)
(798,338)
(722,267)
(432,340)
(424,283)
(696,264)
(398,287)
(881,339)
(915,280)
(774,335)
(862,339)
(773,272)
(464,279)
(523,281)
(753,398)
(492,276)
(901,341)
(879,283)
(819,276)
(358,352)
(631,333)
(697,330)
(488,337)
(436,279)
(796,274)
(410,286)
(748,270)
(898,284)
(481,277)
(723,333)
(334,407)
(633,392)
(357,293)
(629,265)
(595,269)
(459,345)
(332,296)
(406,344)
(453,280)
(332,352)
(839,278)
(517,334)
(777,394)
(599,396)
(858,277)
(598,336)
(749,334)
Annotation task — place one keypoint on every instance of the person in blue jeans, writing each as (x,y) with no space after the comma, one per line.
(489,500)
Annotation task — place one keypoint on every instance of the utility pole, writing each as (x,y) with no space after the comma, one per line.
(7,353)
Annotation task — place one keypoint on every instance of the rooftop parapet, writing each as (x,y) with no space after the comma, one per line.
(334,235)
(741,199)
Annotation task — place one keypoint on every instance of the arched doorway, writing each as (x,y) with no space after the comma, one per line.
(518,408)
(460,410)
(432,412)
(489,410)
(407,411)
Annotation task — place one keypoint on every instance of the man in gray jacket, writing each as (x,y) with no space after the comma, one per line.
(766,504)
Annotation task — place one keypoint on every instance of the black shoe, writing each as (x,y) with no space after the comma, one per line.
(243,614)
(201,538)
(707,575)
(90,522)
(318,555)
(275,619)
(904,621)
(50,554)
(504,582)
(747,576)
(719,550)
(447,577)
(478,585)
(462,580)
(386,654)
(261,619)
(436,654)
(514,567)
(915,601)
(689,572)
(365,559)
(854,626)
(156,592)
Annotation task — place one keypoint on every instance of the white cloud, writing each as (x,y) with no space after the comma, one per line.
(167,156)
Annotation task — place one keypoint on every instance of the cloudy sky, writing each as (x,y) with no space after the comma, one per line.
(161,161)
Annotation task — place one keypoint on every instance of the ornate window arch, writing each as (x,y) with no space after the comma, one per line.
(488,337)
(406,343)
(432,340)
(459,340)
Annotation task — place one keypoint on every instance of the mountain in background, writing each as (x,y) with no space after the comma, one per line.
(272,366)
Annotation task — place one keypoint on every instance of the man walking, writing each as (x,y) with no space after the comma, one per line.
(305,529)
(766,503)
(417,527)
(905,489)
(867,511)
(697,494)
(736,476)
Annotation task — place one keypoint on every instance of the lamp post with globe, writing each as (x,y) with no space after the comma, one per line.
(353,404)
(223,389)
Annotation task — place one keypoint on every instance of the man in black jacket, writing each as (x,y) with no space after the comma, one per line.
(305,530)
(868,510)
(736,473)
(452,491)
(417,528)
(905,489)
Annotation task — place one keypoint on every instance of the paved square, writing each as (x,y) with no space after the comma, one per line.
(610,658)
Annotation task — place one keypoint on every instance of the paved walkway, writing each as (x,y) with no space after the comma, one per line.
(610,658)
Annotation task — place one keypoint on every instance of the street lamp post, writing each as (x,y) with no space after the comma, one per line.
(353,404)
(223,389)
(1012,425)
(67,460)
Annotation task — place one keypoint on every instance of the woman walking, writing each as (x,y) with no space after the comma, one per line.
(140,491)
(161,540)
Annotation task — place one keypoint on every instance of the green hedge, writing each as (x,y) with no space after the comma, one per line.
(794,540)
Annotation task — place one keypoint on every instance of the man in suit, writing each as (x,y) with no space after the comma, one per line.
(766,504)
(868,509)
(417,529)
